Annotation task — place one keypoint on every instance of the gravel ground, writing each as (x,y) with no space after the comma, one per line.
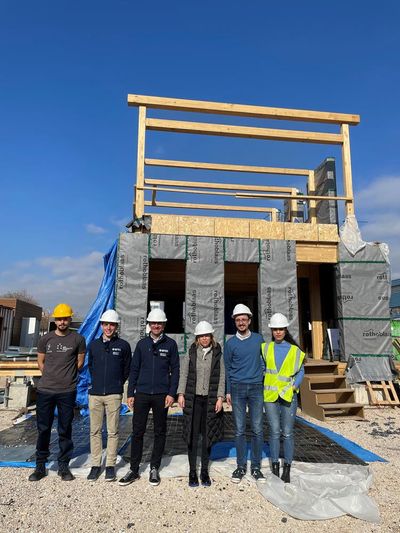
(53,505)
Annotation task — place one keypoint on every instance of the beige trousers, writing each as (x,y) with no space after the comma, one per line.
(98,405)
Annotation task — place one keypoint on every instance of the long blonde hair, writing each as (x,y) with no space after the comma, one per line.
(213,341)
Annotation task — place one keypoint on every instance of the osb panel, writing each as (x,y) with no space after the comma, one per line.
(262,229)
(316,253)
(164,224)
(300,232)
(231,227)
(203,226)
(328,232)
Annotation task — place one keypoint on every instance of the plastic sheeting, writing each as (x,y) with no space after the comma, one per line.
(322,491)
(241,250)
(90,328)
(363,294)
(277,284)
(205,284)
(316,491)
(132,285)
(350,235)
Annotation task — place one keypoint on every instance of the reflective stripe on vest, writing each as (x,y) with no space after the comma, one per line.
(280,384)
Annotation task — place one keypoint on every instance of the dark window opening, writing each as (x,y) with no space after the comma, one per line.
(167,284)
(241,282)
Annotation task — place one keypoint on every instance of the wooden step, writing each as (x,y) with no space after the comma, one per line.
(323,377)
(329,391)
(339,405)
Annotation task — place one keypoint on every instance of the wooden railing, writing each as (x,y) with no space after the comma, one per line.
(234,190)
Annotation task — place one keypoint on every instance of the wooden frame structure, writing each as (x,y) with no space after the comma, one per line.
(315,243)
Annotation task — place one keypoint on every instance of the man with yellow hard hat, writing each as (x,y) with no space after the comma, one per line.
(61,353)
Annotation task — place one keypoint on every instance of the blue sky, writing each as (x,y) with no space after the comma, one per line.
(68,138)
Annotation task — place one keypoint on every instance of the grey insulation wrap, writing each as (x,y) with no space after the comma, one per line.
(167,246)
(363,293)
(241,250)
(205,284)
(132,285)
(277,284)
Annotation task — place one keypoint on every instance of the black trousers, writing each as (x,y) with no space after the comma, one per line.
(199,427)
(45,404)
(142,406)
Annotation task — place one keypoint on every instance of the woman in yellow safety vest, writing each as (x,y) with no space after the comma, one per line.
(284,372)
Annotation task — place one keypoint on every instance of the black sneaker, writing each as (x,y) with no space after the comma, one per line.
(154,477)
(110,473)
(39,472)
(65,473)
(94,473)
(129,478)
(193,479)
(205,479)
(238,474)
(257,474)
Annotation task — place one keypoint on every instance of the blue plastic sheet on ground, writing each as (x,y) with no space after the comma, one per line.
(90,328)
(350,446)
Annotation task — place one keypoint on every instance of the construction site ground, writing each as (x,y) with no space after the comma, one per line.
(53,505)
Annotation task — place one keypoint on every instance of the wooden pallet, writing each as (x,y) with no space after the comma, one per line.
(389,394)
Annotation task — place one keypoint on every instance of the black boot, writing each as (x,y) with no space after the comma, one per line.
(39,472)
(275,469)
(286,473)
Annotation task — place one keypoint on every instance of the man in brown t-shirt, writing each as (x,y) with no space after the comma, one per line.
(61,353)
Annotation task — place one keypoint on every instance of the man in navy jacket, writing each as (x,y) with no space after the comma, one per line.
(153,382)
(109,360)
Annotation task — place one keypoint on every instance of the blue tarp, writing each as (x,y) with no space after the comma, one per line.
(90,328)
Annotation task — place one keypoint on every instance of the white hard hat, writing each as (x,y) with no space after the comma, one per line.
(203,328)
(157,315)
(110,316)
(241,309)
(278,320)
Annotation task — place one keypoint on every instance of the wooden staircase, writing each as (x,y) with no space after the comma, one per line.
(325,394)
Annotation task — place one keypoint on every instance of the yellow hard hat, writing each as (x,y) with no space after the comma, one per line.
(62,310)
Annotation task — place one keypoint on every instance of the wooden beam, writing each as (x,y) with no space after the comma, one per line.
(316,313)
(225,167)
(347,176)
(219,108)
(202,128)
(210,185)
(139,194)
(211,207)
(312,205)
(291,197)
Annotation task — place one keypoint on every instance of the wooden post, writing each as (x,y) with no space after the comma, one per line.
(316,314)
(347,177)
(312,204)
(139,196)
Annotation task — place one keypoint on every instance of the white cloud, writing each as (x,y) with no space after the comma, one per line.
(95,230)
(120,222)
(50,280)
(382,193)
(378,205)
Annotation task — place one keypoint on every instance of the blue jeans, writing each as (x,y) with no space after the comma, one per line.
(251,395)
(281,416)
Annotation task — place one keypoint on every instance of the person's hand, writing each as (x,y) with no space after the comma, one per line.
(218,405)
(169,400)
(228,399)
(131,401)
(181,401)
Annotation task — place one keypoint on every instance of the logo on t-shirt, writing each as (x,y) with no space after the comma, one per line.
(61,348)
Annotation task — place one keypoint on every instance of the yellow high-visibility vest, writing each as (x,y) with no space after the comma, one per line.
(280,384)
